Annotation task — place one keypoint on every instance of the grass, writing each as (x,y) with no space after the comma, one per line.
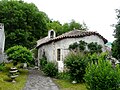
(5,81)
(66,85)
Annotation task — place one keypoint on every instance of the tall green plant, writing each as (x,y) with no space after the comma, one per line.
(50,69)
(102,76)
(43,62)
(76,64)
(93,58)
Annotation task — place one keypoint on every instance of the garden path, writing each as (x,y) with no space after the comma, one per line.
(37,81)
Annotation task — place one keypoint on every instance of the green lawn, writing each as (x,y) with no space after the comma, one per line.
(6,84)
(66,85)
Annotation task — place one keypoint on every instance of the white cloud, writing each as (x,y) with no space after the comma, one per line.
(97,14)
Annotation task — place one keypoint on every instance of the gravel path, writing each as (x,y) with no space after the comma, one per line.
(36,81)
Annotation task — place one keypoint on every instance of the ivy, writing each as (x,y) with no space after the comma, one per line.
(82,45)
(73,46)
(93,47)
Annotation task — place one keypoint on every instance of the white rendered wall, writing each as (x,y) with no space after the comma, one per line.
(51,48)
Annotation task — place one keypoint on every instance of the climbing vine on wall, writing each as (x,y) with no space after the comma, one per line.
(93,47)
(73,46)
(82,45)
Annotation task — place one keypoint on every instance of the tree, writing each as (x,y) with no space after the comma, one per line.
(60,29)
(19,54)
(65,27)
(73,25)
(55,25)
(50,69)
(24,23)
(116,43)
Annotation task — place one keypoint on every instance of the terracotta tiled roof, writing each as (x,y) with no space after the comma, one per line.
(71,34)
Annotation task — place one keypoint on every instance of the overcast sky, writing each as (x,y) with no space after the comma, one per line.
(99,15)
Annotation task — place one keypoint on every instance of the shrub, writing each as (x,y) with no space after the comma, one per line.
(35,53)
(102,76)
(76,63)
(43,62)
(93,58)
(19,54)
(50,69)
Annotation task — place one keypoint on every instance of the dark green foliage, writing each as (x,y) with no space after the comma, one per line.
(94,47)
(35,55)
(102,76)
(60,29)
(76,64)
(116,49)
(116,43)
(35,52)
(50,69)
(19,54)
(24,23)
(66,27)
(55,25)
(82,45)
(73,46)
(75,25)
(43,62)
